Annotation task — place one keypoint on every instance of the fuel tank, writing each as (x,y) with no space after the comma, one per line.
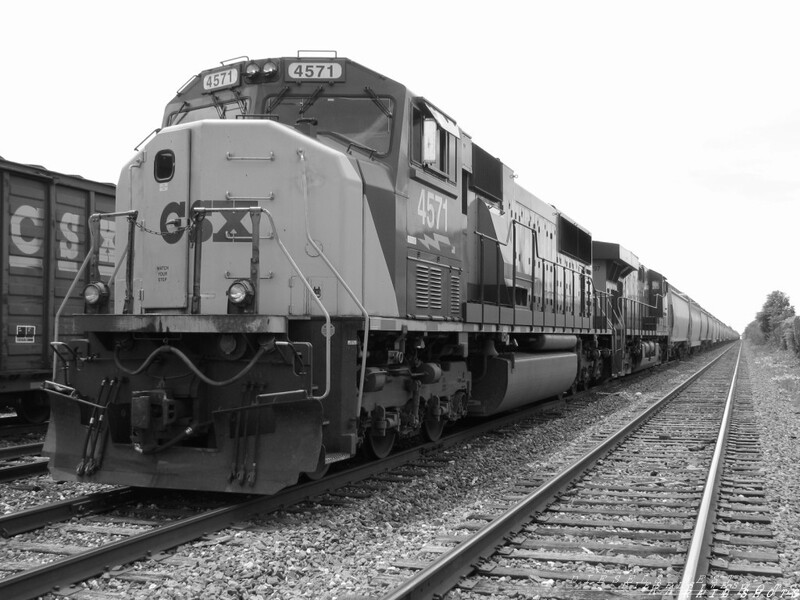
(513,380)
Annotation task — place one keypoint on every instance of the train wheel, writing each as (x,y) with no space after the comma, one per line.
(379,446)
(321,470)
(432,429)
(34,408)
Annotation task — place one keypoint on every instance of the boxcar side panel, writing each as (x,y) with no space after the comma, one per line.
(44,239)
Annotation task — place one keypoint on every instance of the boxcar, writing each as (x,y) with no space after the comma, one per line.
(43,240)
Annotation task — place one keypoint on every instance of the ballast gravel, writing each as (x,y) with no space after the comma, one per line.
(329,550)
(775,382)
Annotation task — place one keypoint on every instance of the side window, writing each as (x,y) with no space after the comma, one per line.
(434,141)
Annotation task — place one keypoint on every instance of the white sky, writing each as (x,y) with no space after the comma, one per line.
(672,128)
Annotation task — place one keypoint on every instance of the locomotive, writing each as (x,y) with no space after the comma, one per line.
(313,261)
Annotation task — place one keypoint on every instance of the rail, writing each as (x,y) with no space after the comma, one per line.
(60,572)
(450,567)
(700,546)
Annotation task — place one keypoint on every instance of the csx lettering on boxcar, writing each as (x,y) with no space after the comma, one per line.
(43,232)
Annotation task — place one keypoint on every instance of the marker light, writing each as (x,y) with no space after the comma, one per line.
(95,293)
(241,292)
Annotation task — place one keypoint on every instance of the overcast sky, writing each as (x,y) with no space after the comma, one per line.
(672,128)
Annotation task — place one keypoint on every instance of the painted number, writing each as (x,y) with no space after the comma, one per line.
(326,70)
(229,77)
(432,210)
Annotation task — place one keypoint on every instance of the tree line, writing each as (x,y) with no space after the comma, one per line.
(776,324)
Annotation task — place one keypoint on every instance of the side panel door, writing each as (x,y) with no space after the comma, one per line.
(164,214)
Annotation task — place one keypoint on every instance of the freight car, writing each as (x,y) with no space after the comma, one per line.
(313,260)
(43,243)
(641,318)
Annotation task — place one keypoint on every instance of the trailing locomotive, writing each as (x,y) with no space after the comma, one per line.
(313,260)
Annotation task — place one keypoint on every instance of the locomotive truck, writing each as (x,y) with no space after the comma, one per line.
(312,260)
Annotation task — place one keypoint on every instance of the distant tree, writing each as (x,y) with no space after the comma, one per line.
(753,333)
(775,310)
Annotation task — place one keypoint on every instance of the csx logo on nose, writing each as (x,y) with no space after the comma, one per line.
(219,227)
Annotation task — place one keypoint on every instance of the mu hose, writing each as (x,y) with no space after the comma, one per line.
(187,361)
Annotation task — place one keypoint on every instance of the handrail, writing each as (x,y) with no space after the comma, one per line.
(565,270)
(255,212)
(94,235)
(302,157)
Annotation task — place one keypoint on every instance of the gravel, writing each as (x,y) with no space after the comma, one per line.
(347,552)
(332,551)
(775,382)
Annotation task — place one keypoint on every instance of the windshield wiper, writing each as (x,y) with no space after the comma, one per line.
(311,99)
(180,114)
(351,143)
(384,109)
(277,100)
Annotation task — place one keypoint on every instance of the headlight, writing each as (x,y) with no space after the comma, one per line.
(270,69)
(241,292)
(252,69)
(95,293)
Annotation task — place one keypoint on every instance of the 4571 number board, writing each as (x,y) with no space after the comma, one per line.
(326,70)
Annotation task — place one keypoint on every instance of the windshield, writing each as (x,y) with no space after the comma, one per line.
(226,110)
(362,120)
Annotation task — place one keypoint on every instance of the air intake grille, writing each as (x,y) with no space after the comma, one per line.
(429,287)
(455,295)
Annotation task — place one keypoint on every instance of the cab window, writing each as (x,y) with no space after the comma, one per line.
(226,110)
(363,121)
(434,141)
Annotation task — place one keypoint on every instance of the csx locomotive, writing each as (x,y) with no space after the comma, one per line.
(313,260)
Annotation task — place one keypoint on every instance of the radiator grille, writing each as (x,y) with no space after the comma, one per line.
(429,287)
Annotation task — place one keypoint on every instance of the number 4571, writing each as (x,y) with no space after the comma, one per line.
(432,209)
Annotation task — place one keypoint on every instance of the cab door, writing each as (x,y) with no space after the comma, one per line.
(164,212)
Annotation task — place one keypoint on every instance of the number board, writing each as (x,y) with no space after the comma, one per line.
(317,70)
(220,79)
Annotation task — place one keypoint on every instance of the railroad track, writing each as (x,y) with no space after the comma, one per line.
(21,461)
(130,537)
(14,426)
(633,517)
(58,562)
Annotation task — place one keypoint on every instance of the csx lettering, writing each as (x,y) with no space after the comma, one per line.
(29,242)
(28,234)
(171,211)
(68,246)
(432,209)
(217,226)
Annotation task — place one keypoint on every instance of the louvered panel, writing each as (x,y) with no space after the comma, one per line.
(436,288)
(428,287)
(455,294)
(422,287)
